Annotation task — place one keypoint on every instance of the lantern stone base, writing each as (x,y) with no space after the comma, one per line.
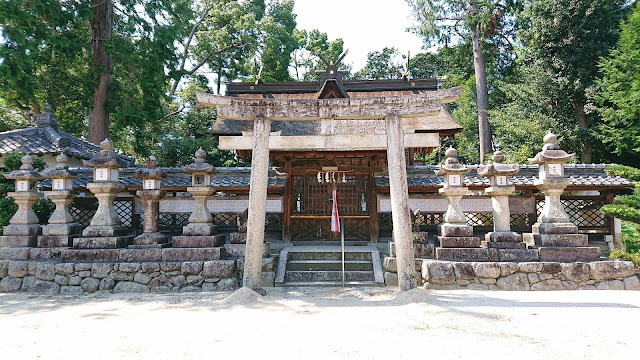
(18,241)
(14,253)
(103,242)
(455,230)
(462,254)
(503,236)
(565,240)
(54,241)
(569,254)
(152,240)
(198,241)
(554,228)
(93,231)
(238,237)
(198,229)
(70,229)
(459,242)
(503,245)
(420,250)
(22,230)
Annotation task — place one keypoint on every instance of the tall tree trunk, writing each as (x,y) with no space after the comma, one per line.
(484,129)
(101,30)
(585,147)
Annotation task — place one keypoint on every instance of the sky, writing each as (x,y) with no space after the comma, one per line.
(364,25)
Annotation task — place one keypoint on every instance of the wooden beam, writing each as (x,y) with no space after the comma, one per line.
(329,142)
(417,105)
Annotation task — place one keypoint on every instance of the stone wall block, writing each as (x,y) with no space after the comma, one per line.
(570,285)
(507,269)
(45,271)
(27,283)
(64,268)
(61,280)
(84,274)
(607,270)
(178,281)
(10,284)
(219,269)
(515,281)
(33,267)
(268,264)
(550,268)
(463,270)
(141,278)
(438,272)
(107,284)
(487,281)
(476,286)
(170,266)
(4,268)
(631,283)
(533,278)
(121,276)
(551,284)
(90,285)
(101,271)
(530,267)
(209,287)
(191,267)
(74,280)
(150,267)
(45,287)
(82,266)
(18,269)
(610,285)
(487,270)
(390,264)
(577,272)
(130,287)
(229,284)
(129,267)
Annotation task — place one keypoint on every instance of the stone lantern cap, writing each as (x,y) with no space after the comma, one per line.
(150,172)
(61,170)
(451,165)
(498,168)
(106,158)
(26,171)
(551,152)
(199,166)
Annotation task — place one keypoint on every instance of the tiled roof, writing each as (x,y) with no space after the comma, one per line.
(47,140)
(580,175)
(224,177)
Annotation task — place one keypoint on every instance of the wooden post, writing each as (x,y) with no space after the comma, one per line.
(399,192)
(372,206)
(257,203)
(288,201)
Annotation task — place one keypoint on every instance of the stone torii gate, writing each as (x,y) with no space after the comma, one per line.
(391,108)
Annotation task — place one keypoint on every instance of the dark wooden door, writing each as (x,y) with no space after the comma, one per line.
(311,205)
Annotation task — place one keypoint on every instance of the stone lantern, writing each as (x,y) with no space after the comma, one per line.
(105,230)
(501,237)
(151,196)
(23,228)
(200,230)
(62,227)
(456,236)
(555,236)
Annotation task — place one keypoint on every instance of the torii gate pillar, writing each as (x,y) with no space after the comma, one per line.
(257,203)
(399,191)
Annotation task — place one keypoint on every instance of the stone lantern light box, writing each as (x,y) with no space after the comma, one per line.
(200,170)
(151,176)
(551,159)
(106,166)
(61,178)
(26,177)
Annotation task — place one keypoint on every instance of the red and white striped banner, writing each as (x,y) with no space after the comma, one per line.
(335,217)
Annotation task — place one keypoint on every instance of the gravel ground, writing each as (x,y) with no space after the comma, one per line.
(325,323)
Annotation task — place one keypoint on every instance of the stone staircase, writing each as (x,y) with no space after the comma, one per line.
(322,266)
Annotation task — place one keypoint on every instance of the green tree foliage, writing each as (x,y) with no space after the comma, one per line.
(305,60)
(562,43)
(627,208)
(384,64)
(619,93)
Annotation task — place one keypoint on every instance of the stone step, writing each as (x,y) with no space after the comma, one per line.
(329,255)
(459,242)
(419,250)
(503,245)
(553,240)
(325,265)
(331,283)
(89,255)
(317,276)
(107,242)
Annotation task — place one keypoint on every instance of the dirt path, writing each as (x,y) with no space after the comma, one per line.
(324,324)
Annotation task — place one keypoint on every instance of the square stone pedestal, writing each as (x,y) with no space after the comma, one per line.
(187,241)
(103,242)
(150,241)
(560,242)
(503,240)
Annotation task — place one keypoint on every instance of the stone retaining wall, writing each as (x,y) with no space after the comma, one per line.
(46,277)
(596,275)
